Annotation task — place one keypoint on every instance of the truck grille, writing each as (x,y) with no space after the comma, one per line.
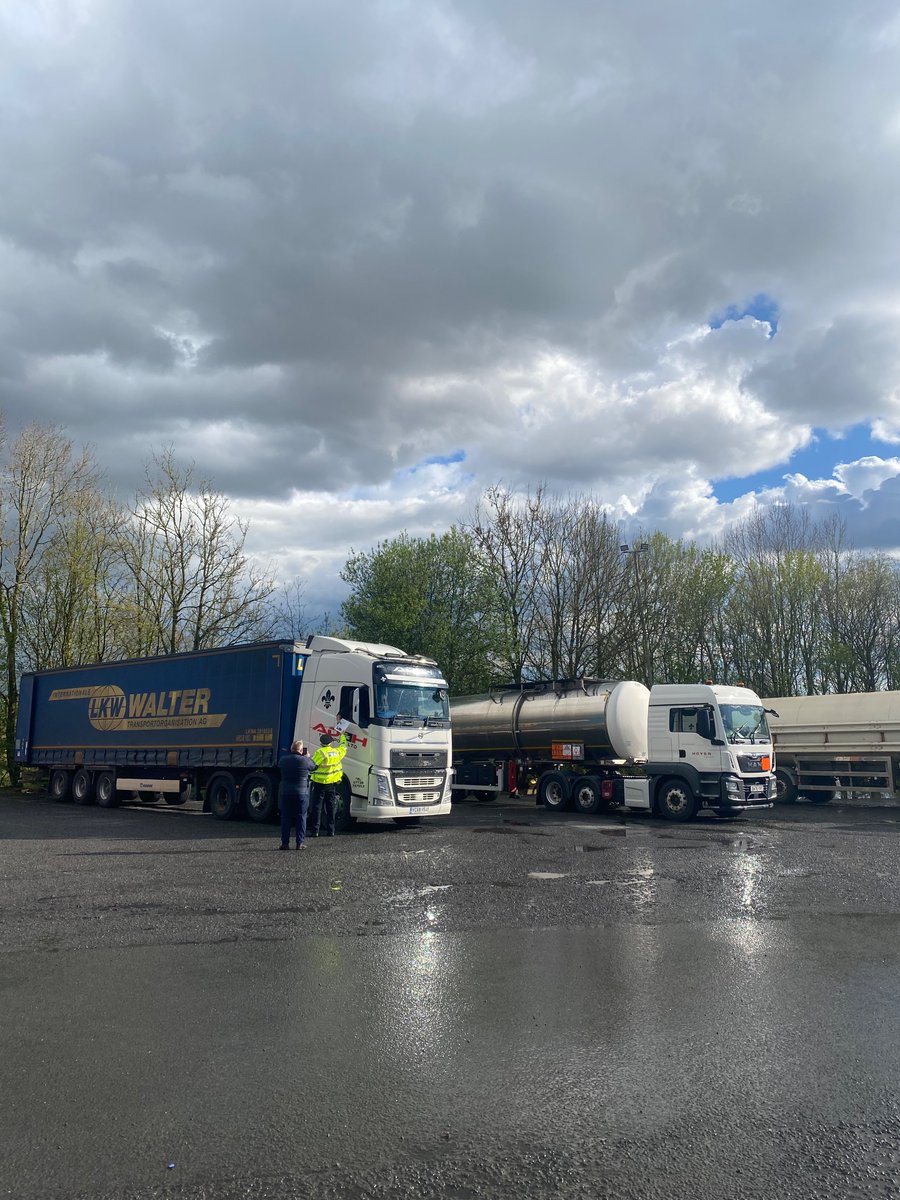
(419,781)
(750,762)
(409,798)
(419,760)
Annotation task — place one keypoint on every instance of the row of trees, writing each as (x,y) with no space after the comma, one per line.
(541,586)
(85,578)
(532,585)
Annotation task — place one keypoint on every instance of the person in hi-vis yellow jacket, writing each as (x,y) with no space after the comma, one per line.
(329,760)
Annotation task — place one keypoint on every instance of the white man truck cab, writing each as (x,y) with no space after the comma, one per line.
(394,711)
(707,746)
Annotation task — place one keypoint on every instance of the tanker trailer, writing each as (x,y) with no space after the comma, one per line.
(823,744)
(582,743)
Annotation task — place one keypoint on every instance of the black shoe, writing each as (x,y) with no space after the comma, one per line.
(312,835)
(330,834)
(284,847)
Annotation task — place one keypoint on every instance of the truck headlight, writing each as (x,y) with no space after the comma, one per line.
(734,787)
(382,788)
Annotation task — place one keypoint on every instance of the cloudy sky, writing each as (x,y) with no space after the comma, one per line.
(360,260)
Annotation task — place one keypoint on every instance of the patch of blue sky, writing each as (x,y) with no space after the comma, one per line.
(439,460)
(762,307)
(815,461)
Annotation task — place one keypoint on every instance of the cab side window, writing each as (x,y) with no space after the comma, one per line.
(684,720)
(354,705)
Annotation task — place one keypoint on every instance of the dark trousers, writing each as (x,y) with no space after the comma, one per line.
(293,807)
(321,796)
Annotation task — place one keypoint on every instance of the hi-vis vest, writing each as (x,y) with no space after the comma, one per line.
(328,761)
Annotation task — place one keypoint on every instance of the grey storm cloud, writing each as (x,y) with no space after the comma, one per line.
(316,244)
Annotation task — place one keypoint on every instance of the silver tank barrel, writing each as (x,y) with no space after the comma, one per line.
(609,717)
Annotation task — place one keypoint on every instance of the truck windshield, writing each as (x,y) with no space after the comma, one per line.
(745,723)
(402,703)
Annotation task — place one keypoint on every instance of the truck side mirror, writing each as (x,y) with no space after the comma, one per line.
(703,724)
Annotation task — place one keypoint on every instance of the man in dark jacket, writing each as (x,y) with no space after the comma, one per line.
(293,798)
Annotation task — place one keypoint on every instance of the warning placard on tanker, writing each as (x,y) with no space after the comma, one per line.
(568,751)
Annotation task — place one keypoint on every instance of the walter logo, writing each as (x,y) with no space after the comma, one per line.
(109,708)
(328,699)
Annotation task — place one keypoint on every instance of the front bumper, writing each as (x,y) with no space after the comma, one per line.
(736,793)
(365,810)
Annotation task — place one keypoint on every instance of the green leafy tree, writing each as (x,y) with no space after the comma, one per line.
(428,596)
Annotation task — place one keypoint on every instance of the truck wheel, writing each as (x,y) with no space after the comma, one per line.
(342,818)
(105,792)
(785,788)
(222,796)
(82,792)
(676,801)
(60,786)
(817,797)
(258,798)
(586,794)
(553,791)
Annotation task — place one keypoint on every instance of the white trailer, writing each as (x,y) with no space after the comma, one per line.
(824,744)
(672,749)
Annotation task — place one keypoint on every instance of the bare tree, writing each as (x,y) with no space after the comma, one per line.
(72,603)
(507,532)
(292,609)
(191,584)
(41,477)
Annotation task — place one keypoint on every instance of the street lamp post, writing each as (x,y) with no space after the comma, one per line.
(635,551)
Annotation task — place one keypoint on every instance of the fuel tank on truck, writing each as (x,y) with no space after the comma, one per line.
(610,718)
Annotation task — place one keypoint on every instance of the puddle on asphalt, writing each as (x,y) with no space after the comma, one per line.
(506,829)
(546,875)
(588,849)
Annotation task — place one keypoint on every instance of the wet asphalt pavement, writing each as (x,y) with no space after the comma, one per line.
(504,1002)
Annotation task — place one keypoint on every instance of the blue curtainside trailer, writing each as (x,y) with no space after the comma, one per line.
(160,724)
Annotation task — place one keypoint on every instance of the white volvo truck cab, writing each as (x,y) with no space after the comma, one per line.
(394,711)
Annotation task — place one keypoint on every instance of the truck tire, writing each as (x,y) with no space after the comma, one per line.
(82,789)
(60,785)
(222,796)
(785,788)
(105,792)
(553,791)
(586,794)
(258,798)
(342,817)
(817,797)
(676,801)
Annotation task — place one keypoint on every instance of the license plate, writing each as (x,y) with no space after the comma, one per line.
(757,789)
(418,809)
